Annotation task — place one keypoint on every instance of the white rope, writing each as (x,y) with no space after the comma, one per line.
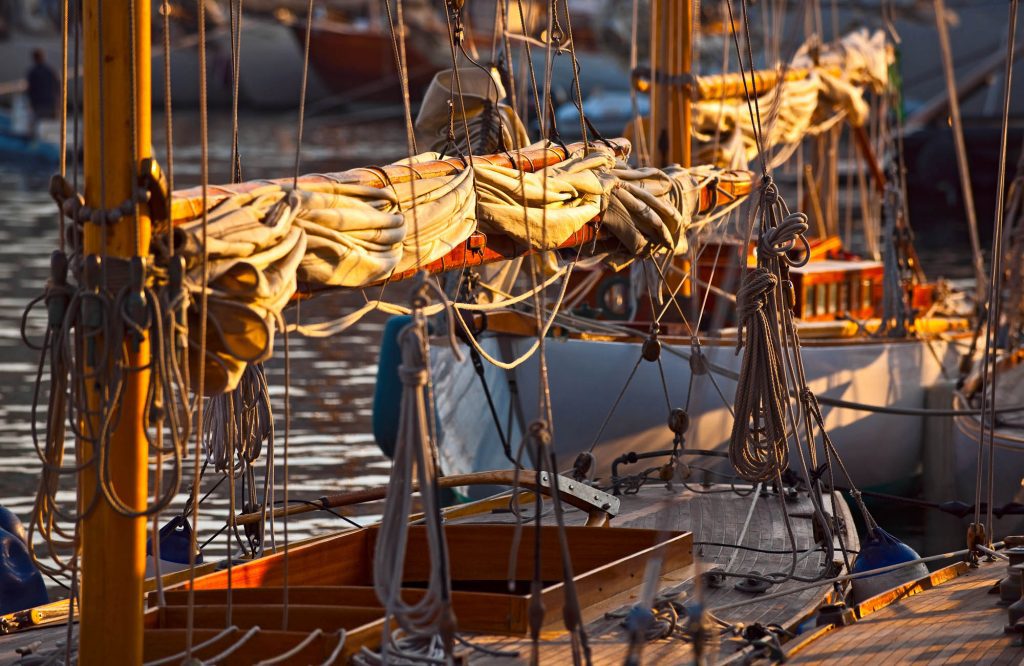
(284,656)
(533,347)
(342,635)
(431,614)
(177,657)
(756,495)
(234,648)
(336,326)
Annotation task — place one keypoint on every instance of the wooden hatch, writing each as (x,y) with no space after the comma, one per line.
(330,587)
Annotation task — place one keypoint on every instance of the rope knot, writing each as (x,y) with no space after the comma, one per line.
(752,296)
(412,376)
(539,433)
(778,241)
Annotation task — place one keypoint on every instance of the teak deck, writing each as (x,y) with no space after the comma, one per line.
(328,587)
(947,618)
(716,517)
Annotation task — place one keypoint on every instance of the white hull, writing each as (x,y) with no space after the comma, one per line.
(1008,464)
(880,450)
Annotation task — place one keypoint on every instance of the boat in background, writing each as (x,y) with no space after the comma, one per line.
(24,141)
(875,335)
(845,359)
(1006,435)
(352,49)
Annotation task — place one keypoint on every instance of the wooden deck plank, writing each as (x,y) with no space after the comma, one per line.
(712,517)
(956,621)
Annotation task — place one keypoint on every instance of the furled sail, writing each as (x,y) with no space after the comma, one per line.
(816,90)
(338,231)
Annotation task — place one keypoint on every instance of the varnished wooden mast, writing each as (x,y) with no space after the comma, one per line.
(113,546)
(671,81)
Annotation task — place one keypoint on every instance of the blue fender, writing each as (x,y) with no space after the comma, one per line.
(881,549)
(21,584)
(175,541)
(10,522)
(387,394)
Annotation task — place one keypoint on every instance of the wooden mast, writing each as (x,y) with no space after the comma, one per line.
(671,75)
(113,546)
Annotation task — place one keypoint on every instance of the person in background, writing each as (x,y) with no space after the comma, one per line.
(42,87)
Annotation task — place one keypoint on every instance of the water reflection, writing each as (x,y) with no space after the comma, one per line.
(330,448)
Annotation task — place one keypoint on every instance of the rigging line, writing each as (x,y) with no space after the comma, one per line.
(302,96)
(320,507)
(534,88)
(576,77)
(615,404)
(204,175)
(63,112)
(755,118)
(710,281)
(495,32)
(235,26)
(287,433)
(546,430)
(639,135)
(230,473)
(518,529)
(673,301)
(963,168)
(756,495)
(839,579)
(995,295)
(457,88)
(165,10)
(401,62)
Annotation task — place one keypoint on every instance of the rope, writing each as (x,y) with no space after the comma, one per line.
(203,317)
(995,294)
(288,654)
(962,165)
(757,446)
(302,93)
(431,616)
(839,579)
(177,657)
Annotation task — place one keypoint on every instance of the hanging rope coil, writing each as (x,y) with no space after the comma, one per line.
(114,303)
(757,447)
(431,615)
(237,426)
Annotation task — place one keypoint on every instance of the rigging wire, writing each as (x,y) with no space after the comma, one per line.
(203,316)
(989,367)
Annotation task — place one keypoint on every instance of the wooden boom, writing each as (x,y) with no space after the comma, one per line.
(188,204)
(479,249)
(729,86)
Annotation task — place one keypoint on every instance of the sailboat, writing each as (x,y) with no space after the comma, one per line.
(873,336)
(159,295)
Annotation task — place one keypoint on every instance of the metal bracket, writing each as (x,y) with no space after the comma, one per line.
(152,179)
(600,500)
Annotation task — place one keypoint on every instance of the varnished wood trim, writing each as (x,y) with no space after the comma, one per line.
(889,597)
